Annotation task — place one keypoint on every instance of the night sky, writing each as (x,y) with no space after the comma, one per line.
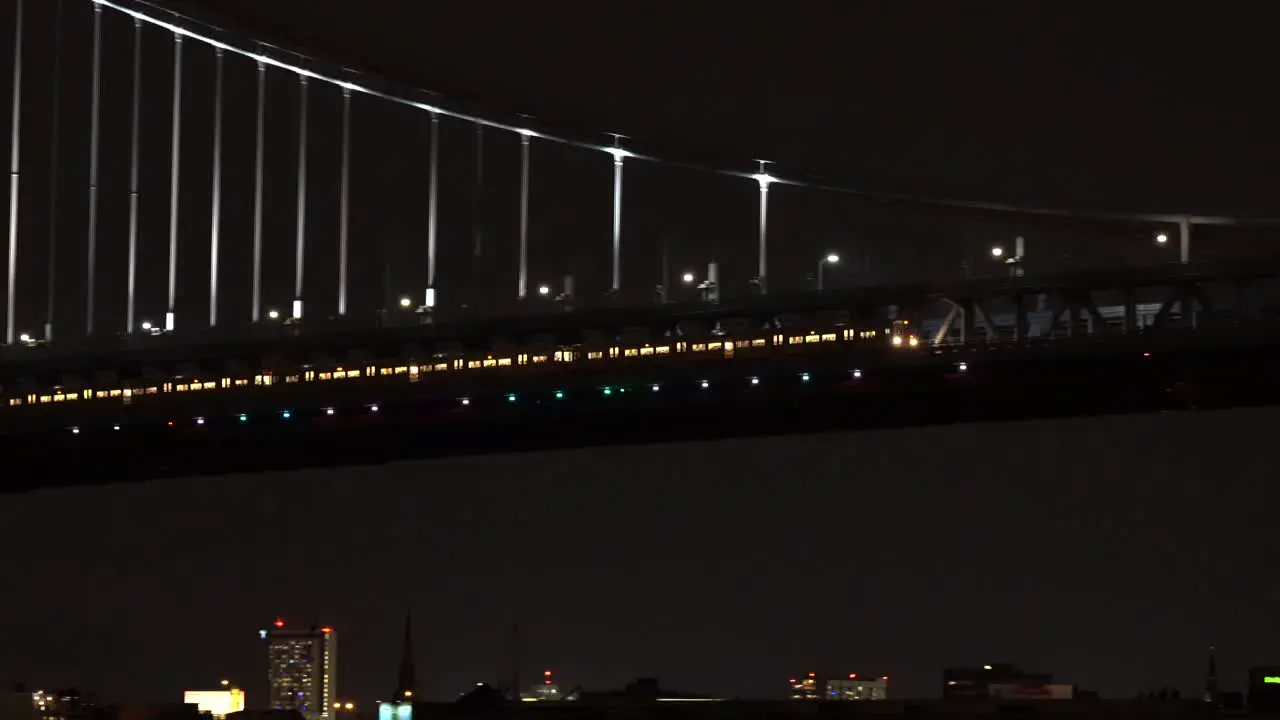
(1111,552)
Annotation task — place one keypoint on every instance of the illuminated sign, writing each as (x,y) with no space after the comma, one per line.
(1272,679)
(218,703)
(395,711)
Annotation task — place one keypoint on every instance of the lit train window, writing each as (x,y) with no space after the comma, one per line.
(504,362)
(828,337)
(595,355)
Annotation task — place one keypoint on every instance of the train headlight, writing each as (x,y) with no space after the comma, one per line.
(897,340)
(914,341)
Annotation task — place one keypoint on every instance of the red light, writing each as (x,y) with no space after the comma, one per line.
(1146,354)
(886,677)
(279,621)
(170,423)
(546,673)
(548,682)
(853,675)
(792,681)
(326,630)
(811,675)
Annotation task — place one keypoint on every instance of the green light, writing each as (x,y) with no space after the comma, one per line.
(1272,679)
(608,391)
(511,397)
(559,394)
(244,418)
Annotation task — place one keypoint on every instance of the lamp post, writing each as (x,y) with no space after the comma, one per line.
(828,259)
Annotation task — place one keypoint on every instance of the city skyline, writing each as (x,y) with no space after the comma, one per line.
(1110,589)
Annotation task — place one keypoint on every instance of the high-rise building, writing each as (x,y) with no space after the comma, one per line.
(302,669)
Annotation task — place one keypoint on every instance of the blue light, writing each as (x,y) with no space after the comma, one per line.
(286,414)
(655,387)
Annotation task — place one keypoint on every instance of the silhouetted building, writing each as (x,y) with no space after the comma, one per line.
(267,715)
(218,703)
(546,691)
(173,711)
(639,692)
(976,682)
(854,686)
(302,669)
(1264,690)
(1211,692)
(69,704)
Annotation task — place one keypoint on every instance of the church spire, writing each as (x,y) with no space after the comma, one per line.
(405,683)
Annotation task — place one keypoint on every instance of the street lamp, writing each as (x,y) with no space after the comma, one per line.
(544,290)
(146,326)
(828,259)
(405,302)
(273,314)
(688,278)
(1161,238)
(997,251)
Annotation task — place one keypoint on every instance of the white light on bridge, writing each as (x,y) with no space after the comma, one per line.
(688,278)
(1161,239)
(405,302)
(997,251)
(544,290)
